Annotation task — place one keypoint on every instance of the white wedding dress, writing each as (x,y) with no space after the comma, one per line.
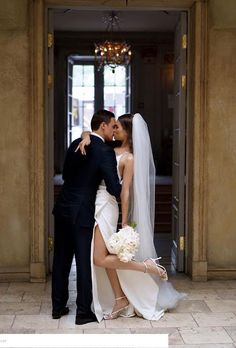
(149,295)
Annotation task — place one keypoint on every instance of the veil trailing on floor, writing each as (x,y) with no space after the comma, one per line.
(143,198)
(143,207)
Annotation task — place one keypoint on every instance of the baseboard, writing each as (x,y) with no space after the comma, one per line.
(14,277)
(221,274)
(31,274)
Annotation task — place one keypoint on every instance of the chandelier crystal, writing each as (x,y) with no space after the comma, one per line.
(112,53)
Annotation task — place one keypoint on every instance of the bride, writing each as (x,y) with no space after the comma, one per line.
(117,289)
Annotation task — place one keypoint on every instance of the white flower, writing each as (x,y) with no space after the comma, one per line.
(124,243)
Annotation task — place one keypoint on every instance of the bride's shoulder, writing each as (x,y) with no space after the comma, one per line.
(128,158)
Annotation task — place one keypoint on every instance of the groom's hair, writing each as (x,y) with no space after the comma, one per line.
(99,117)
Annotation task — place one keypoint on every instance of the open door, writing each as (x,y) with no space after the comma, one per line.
(70,64)
(179,136)
(49,139)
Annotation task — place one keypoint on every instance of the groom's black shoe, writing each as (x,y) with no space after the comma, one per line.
(59,314)
(82,319)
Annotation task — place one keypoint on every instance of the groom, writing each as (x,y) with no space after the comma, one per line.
(74,215)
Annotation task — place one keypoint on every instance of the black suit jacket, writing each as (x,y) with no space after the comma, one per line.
(82,176)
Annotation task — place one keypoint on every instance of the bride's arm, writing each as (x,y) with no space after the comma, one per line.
(126,185)
(84,142)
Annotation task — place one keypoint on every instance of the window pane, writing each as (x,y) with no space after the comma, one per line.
(83,98)
(77,73)
(109,77)
(114,89)
(120,76)
(88,75)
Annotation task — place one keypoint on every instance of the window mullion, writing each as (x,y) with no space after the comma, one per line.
(99,89)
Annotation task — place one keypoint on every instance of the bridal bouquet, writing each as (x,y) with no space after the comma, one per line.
(124,243)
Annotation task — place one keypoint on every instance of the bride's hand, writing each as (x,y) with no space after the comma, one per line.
(85,142)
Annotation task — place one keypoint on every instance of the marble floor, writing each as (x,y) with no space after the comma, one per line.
(206,318)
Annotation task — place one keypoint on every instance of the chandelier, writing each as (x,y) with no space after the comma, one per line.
(112,53)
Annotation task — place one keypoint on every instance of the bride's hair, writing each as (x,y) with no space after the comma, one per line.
(126,121)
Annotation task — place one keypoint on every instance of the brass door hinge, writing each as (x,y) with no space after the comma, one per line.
(181,243)
(183,81)
(50,40)
(50,243)
(49,81)
(184,41)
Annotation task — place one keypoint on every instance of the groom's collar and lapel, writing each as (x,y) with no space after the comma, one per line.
(112,143)
(97,135)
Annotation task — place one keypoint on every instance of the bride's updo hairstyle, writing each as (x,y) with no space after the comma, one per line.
(126,121)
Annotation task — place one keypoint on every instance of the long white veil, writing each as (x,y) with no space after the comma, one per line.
(143,200)
(143,206)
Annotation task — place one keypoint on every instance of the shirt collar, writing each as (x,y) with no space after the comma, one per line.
(97,135)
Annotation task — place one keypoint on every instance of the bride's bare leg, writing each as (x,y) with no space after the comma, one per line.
(118,292)
(101,252)
(114,281)
(103,259)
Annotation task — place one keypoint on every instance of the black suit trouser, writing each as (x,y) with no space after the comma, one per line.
(71,239)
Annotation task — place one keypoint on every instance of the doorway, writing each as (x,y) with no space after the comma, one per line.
(152,96)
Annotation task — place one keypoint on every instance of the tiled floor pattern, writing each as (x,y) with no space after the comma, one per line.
(206,318)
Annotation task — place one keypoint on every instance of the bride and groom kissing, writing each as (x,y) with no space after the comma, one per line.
(86,215)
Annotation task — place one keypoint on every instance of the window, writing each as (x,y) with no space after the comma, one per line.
(89,90)
(82,96)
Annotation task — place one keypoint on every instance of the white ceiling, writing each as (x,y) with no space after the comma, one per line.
(129,20)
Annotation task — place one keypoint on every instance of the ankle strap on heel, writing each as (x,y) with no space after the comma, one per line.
(120,298)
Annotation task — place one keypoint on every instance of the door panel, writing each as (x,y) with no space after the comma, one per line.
(70,64)
(50,138)
(178,173)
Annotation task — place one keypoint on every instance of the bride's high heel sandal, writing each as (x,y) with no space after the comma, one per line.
(163,274)
(125,312)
